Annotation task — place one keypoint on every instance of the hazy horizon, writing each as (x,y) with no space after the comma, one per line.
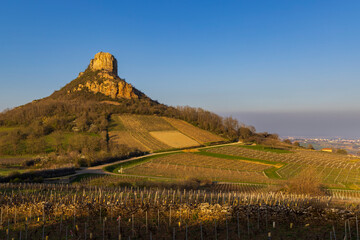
(303,124)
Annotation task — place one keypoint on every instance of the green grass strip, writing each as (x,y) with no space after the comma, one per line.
(271,173)
(265,148)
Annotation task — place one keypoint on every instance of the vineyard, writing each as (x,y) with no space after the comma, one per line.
(215,192)
(335,170)
(251,164)
(40,211)
(133,181)
(190,165)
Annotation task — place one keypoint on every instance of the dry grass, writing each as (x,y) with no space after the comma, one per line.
(174,139)
(153,133)
(198,134)
(145,123)
(123,137)
(138,127)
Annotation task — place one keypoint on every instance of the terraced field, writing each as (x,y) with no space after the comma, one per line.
(190,165)
(252,164)
(153,133)
(335,170)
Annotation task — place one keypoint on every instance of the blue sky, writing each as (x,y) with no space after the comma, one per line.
(245,58)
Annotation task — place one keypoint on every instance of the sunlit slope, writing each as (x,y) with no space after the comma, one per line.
(154,133)
(252,164)
(197,165)
(335,170)
(197,134)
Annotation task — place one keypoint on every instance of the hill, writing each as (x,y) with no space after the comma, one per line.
(99,116)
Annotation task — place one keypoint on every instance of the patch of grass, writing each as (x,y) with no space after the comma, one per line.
(116,124)
(266,148)
(271,173)
(7,171)
(22,157)
(66,138)
(8,129)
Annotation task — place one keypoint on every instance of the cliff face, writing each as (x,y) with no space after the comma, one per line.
(105,62)
(106,80)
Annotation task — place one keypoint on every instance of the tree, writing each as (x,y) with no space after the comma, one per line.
(296,144)
(310,146)
(245,133)
(231,127)
(287,141)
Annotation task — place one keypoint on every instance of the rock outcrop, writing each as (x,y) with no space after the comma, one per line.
(104,62)
(106,80)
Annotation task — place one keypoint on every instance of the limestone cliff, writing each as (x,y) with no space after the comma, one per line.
(105,80)
(104,61)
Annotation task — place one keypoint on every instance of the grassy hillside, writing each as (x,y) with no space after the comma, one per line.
(154,133)
(197,134)
(121,135)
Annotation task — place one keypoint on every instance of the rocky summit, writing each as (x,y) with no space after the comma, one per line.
(104,62)
(106,80)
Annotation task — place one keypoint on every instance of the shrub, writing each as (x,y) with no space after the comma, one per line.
(82,162)
(341,151)
(307,182)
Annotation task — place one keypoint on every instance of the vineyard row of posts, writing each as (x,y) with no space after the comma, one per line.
(42,211)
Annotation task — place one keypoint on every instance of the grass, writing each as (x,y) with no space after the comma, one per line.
(194,132)
(8,129)
(271,173)
(266,148)
(23,157)
(116,124)
(6,171)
